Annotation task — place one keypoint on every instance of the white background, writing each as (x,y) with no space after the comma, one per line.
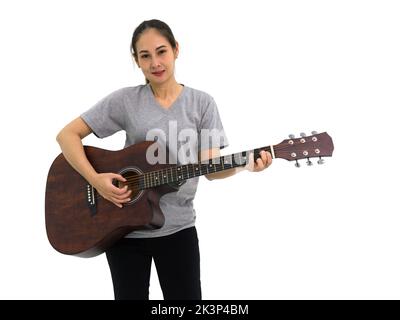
(274,68)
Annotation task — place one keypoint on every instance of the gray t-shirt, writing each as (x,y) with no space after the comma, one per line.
(136,111)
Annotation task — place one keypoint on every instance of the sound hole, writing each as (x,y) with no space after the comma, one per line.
(132,181)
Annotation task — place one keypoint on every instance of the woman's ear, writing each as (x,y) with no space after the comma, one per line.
(135,61)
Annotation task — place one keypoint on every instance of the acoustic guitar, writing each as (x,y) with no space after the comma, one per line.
(80,222)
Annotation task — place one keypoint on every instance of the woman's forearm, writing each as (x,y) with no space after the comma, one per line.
(72,149)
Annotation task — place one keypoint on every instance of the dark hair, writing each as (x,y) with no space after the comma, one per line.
(160,26)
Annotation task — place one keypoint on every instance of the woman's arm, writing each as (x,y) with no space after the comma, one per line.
(261,164)
(70,141)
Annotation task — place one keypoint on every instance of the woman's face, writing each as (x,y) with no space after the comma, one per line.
(155,56)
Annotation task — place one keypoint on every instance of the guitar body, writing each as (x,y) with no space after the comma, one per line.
(80,222)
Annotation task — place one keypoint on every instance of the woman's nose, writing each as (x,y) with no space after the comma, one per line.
(155,63)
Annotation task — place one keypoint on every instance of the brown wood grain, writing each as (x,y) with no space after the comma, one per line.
(71,227)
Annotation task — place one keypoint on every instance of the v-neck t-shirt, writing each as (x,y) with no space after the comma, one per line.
(189,125)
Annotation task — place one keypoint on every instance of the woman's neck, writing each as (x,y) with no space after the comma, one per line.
(165,90)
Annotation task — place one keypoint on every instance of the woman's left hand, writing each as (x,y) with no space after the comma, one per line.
(262,163)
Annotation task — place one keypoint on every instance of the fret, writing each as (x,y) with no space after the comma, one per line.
(163,177)
(178,174)
(185,168)
(173,174)
(197,169)
(243,158)
(182,172)
(193,169)
(190,172)
(215,165)
(219,165)
(143,185)
(201,168)
(148,180)
(139,181)
(159,177)
(232,160)
(227,162)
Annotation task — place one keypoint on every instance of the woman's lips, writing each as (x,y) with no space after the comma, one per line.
(158,74)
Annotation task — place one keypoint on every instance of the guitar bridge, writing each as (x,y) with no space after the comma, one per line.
(91,199)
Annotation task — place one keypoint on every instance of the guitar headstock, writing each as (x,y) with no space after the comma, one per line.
(317,145)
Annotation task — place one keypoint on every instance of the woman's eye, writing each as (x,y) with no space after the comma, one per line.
(144,56)
(162,51)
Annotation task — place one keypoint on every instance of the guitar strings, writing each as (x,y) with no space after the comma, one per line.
(171,172)
(141,177)
(219,165)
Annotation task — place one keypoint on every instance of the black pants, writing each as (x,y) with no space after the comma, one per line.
(176,258)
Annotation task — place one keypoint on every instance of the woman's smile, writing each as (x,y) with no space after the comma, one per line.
(158,73)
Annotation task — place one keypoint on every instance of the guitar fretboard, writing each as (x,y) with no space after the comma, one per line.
(180,173)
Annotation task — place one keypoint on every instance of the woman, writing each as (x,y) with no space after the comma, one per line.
(168,110)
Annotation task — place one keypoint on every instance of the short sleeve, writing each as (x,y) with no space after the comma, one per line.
(212,133)
(107,116)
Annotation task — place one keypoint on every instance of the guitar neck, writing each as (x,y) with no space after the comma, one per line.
(315,146)
(180,173)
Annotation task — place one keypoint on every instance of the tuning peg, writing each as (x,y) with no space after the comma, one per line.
(314,132)
(291,136)
(320,161)
(309,163)
(302,135)
(297,164)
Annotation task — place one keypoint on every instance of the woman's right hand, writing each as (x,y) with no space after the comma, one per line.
(103,183)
